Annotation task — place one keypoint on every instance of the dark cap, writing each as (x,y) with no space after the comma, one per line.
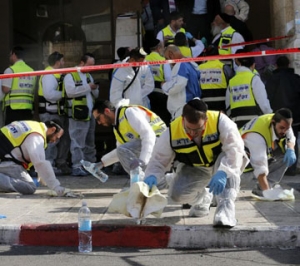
(122,52)
(137,53)
(153,43)
(180,39)
(54,57)
(225,17)
(285,113)
(198,104)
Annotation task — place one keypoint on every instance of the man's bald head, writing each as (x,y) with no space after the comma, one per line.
(173,52)
(229,10)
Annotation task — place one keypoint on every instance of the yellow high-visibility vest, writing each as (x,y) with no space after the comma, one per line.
(125,133)
(187,150)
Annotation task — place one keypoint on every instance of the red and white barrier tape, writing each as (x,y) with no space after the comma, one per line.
(256,41)
(136,64)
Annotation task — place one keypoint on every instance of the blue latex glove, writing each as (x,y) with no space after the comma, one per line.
(217,182)
(189,35)
(289,157)
(204,41)
(151,180)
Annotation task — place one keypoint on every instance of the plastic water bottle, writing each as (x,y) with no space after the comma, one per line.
(84,229)
(297,22)
(135,175)
(95,171)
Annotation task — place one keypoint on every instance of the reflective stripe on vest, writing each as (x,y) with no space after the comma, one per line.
(157,70)
(78,109)
(186,51)
(22,89)
(125,133)
(15,134)
(187,150)
(44,105)
(242,101)
(167,32)
(213,84)
(226,38)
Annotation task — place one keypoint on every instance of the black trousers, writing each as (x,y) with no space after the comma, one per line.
(158,102)
(17,115)
(199,26)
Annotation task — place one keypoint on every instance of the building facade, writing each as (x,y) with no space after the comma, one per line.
(74,26)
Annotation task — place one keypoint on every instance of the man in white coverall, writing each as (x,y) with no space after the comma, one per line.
(133,83)
(270,142)
(210,152)
(136,129)
(24,143)
(81,92)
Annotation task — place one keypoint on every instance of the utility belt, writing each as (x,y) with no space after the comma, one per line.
(6,160)
(43,104)
(80,110)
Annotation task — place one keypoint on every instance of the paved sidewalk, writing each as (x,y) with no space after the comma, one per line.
(43,220)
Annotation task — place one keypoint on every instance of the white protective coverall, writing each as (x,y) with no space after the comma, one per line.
(140,148)
(15,178)
(189,183)
(137,91)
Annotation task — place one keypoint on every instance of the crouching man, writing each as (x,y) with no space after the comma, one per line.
(211,157)
(270,142)
(136,129)
(23,144)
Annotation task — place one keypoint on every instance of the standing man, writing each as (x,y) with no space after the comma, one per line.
(133,83)
(241,8)
(161,10)
(246,96)
(167,34)
(210,152)
(23,143)
(239,25)
(265,65)
(199,15)
(184,84)
(19,92)
(50,98)
(81,91)
(224,34)
(161,73)
(270,142)
(214,80)
(136,129)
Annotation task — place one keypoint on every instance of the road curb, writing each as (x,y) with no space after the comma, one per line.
(176,236)
(210,237)
(103,235)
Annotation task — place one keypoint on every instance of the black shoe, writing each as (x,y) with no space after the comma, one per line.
(64,169)
(293,172)
(257,191)
(118,169)
(186,206)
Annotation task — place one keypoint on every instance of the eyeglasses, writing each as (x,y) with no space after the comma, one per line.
(195,131)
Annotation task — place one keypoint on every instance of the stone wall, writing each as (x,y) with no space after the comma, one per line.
(72,51)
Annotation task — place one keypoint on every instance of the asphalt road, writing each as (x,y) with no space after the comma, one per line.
(56,256)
